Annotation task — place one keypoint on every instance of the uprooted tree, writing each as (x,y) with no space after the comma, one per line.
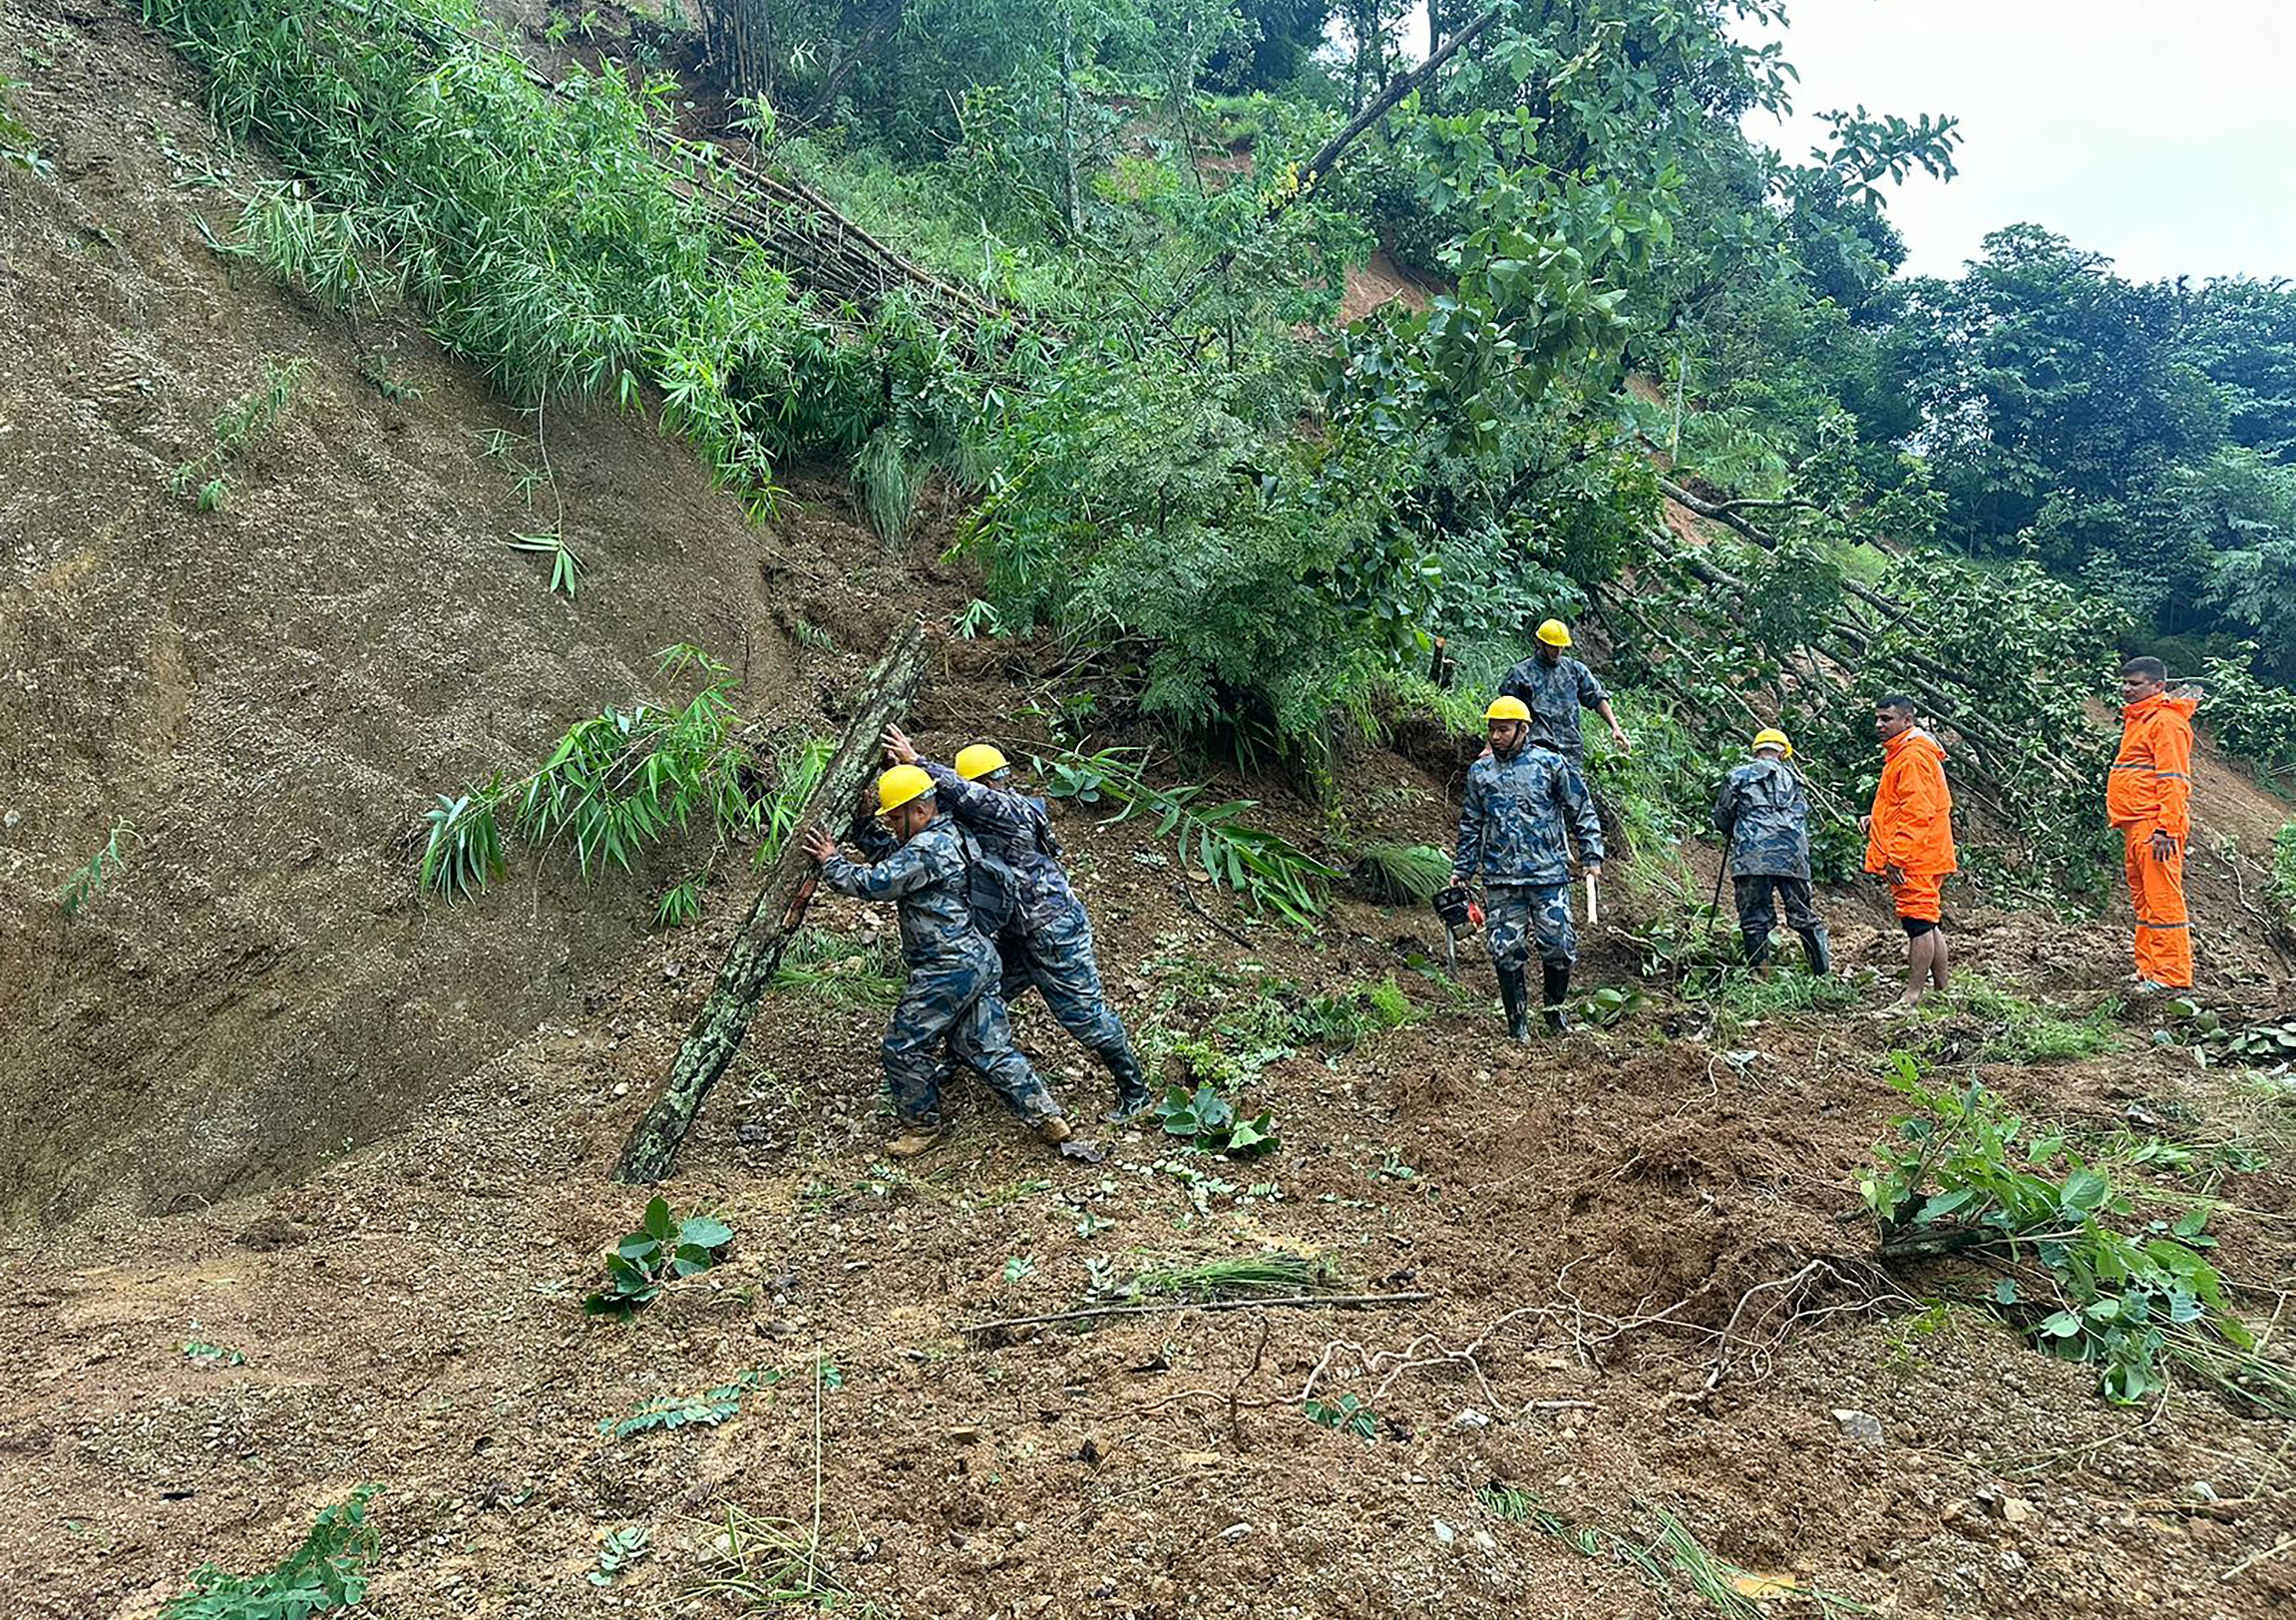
(716,1032)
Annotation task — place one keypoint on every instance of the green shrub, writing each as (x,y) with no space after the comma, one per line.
(328,1571)
(541,230)
(662,1250)
(1206,1119)
(621,780)
(1963,1176)
(2251,717)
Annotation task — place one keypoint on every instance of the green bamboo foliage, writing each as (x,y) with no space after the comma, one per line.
(617,783)
(541,233)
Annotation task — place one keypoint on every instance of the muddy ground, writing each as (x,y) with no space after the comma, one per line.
(1604,1227)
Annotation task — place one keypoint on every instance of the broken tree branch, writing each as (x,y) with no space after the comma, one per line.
(717,1029)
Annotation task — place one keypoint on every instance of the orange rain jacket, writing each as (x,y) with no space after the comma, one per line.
(2151,788)
(1913,809)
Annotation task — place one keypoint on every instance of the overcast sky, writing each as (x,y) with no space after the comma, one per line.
(2160,132)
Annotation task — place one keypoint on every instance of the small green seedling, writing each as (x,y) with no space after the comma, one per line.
(659,1252)
(622,1550)
(1208,1120)
(1350,1414)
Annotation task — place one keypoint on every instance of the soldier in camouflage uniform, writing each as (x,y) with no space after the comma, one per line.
(953,970)
(1048,943)
(1764,811)
(1523,803)
(1555,687)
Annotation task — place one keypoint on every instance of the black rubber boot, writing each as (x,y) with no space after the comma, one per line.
(1821,954)
(1558,991)
(1757,950)
(1515,995)
(1133,1097)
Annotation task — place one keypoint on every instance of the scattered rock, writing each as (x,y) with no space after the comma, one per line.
(966,1434)
(1444,1534)
(1861,1427)
(2016,1510)
(1486,1542)
(1470,1420)
(1235,1532)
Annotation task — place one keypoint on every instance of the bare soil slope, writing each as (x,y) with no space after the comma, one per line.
(271,694)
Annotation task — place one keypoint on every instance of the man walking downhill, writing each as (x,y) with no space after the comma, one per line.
(953,970)
(2149,796)
(1555,687)
(1909,842)
(1764,811)
(1519,802)
(1048,943)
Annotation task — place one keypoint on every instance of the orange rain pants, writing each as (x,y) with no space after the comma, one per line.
(1921,897)
(2164,934)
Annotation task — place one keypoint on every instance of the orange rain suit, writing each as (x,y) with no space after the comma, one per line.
(1913,824)
(2151,790)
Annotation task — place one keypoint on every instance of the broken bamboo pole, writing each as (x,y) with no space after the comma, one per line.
(756,950)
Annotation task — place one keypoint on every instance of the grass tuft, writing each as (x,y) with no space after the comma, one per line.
(1278,1271)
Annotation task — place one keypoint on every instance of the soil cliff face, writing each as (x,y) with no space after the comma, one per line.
(270,693)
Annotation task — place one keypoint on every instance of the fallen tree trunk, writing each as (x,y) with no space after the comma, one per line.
(1322,164)
(773,917)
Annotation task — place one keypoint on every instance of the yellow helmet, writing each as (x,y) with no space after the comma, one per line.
(978,759)
(1773,738)
(1554,633)
(1507,708)
(899,785)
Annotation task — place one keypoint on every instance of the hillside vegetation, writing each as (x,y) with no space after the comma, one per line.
(1125,349)
(486,446)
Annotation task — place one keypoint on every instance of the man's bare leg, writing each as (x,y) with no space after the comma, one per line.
(1921,950)
(1940,959)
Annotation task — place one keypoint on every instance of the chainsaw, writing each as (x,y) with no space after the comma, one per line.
(1452,906)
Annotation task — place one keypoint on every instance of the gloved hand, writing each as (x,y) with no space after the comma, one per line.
(1475,913)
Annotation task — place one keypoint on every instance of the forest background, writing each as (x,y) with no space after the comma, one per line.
(1253,509)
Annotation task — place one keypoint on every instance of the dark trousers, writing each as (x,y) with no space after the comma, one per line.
(1759,900)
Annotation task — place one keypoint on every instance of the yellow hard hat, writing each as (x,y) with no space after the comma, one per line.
(899,785)
(1507,708)
(1554,633)
(977,759)
(1773,738)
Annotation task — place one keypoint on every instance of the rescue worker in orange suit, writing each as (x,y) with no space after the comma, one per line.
(1909,842)
(2148,796)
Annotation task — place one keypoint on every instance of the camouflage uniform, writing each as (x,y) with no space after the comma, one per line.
(1513,824)
(1048,943)
(1554,694)
(1764,811)
(953,972)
